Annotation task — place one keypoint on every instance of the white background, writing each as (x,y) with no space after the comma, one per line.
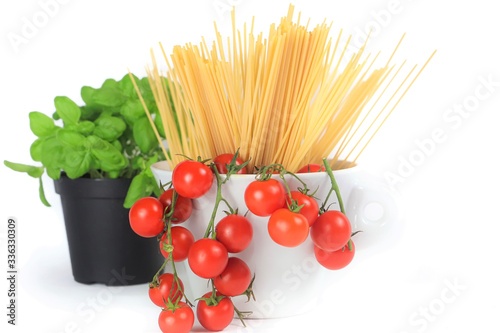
(450,198)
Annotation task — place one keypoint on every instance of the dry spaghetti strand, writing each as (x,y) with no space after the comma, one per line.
(292,97)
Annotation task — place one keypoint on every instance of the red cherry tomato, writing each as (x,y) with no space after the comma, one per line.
(183,206)
(207,258)
(263,197)
(310,208)
(312,168)
(167,288)
(179,320)
(288,228)
(235,279)
(331,231)
(235,232)
(192,179)
(215,317)
(223,160)
(182,239)
(336,259)
(146,217)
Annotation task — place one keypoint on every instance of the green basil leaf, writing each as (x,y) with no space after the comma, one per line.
(67,109)
(109,128)
(41,193)
(126,85)
(85,127)
(159,124)
(110,83)
(52,154)
(113,174)
(71,127)
(36,150)
(87,94)
(71,139)
(77,163)
(54,173)
(139,187)
(33,171)
(138,163)
(109,158)
(145,89)
(41,125)
(109,97)
(117,145)
(90,113)
(132,110)
(144,135)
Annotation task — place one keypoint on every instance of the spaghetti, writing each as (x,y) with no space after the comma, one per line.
(294,97)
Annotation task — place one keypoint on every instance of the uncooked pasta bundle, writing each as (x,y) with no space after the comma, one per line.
(292,97)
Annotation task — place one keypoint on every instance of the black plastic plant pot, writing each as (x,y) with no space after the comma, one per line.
(102,246)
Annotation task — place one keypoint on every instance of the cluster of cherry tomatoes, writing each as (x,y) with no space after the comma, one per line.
(296,214)
(293,216)
(208,257)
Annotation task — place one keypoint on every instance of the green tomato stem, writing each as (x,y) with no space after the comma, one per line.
(242,315)
(335,187)
(218,198)
(168,221)
(160,270)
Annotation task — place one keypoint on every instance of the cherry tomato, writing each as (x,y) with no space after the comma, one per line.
(312,168)
(165,289)
(207,258)
(263,197)
(331,231)
(288,228)
(223,160)
(178,320)
(183,206)
(235,279)
(235,232)
(192,179)
(336,259)
(146,217)
(182,239)
(310,208)
(215,317)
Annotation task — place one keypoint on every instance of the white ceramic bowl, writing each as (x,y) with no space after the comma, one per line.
(289,281)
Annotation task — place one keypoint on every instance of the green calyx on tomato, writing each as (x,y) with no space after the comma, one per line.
(305,204)
(230,164)
(214,311)
(179,319)
(166,291)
